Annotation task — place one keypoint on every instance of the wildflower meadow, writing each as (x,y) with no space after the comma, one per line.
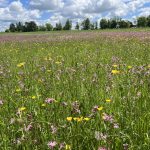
(75,91)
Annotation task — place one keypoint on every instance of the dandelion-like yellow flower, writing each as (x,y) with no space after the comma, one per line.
(68,147)
(75,118)
(115,72)
(80,119)
(129,67)
(21,64)
(58,62)
(22,108)
(115,66)
(43,105)
(33,97)
(86,119)
(18,90)
(48,70)
(108,100)
(100,108)
(69,118)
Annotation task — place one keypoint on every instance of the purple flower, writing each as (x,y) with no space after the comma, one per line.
(108,117)
(102,148)
(95,109)
(29,127)
(52,144)
(53,129)
(116,125)
(49,100)
(61,146)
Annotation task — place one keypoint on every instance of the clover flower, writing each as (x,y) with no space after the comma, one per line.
(52,144)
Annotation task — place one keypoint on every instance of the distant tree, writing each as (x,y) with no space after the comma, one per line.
(49,27)
(12,27)
(68,25)
(113,23)
(108,23)
(148,21)
(123,24)
(77,27)
(7,30)
(30,26)
(86,24)
(33,26)
(58,26)
(96,25)
(42,28)
(19,26)
(92,27)
(103,24)
(130,24)
(142,21)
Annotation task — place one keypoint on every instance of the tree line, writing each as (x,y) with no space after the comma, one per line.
(84,25)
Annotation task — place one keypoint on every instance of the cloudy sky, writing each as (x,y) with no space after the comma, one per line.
(53,11)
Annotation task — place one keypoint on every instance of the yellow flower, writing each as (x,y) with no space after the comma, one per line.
(80,119)
(21,64)
(68,147)
(108,100)
(115,66)
(58,62)
(129,67)
(86,119)
(33,97)
(115,72)
(75,118)
(100,108)
(18,90)
(48,70)
(148,66)
(69,118)
(43,105)
(22,108)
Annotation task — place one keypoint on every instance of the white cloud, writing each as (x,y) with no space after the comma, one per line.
(46,4)
(16,12)
(77,10)
(145,11)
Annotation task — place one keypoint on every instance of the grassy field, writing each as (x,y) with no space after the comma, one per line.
(82,94)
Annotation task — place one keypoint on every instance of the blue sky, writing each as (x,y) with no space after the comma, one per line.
(53,11)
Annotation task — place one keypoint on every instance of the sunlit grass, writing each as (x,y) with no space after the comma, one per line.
(79,95)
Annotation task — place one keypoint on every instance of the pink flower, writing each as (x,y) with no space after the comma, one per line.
(29,127)
(61,146)
(49,100)
(108,117)
(95,109)
(116,125)
(52,144)
(102,148)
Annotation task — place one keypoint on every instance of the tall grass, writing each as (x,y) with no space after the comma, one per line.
(82,95)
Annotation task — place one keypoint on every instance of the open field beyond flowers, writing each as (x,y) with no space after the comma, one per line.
(75,91)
